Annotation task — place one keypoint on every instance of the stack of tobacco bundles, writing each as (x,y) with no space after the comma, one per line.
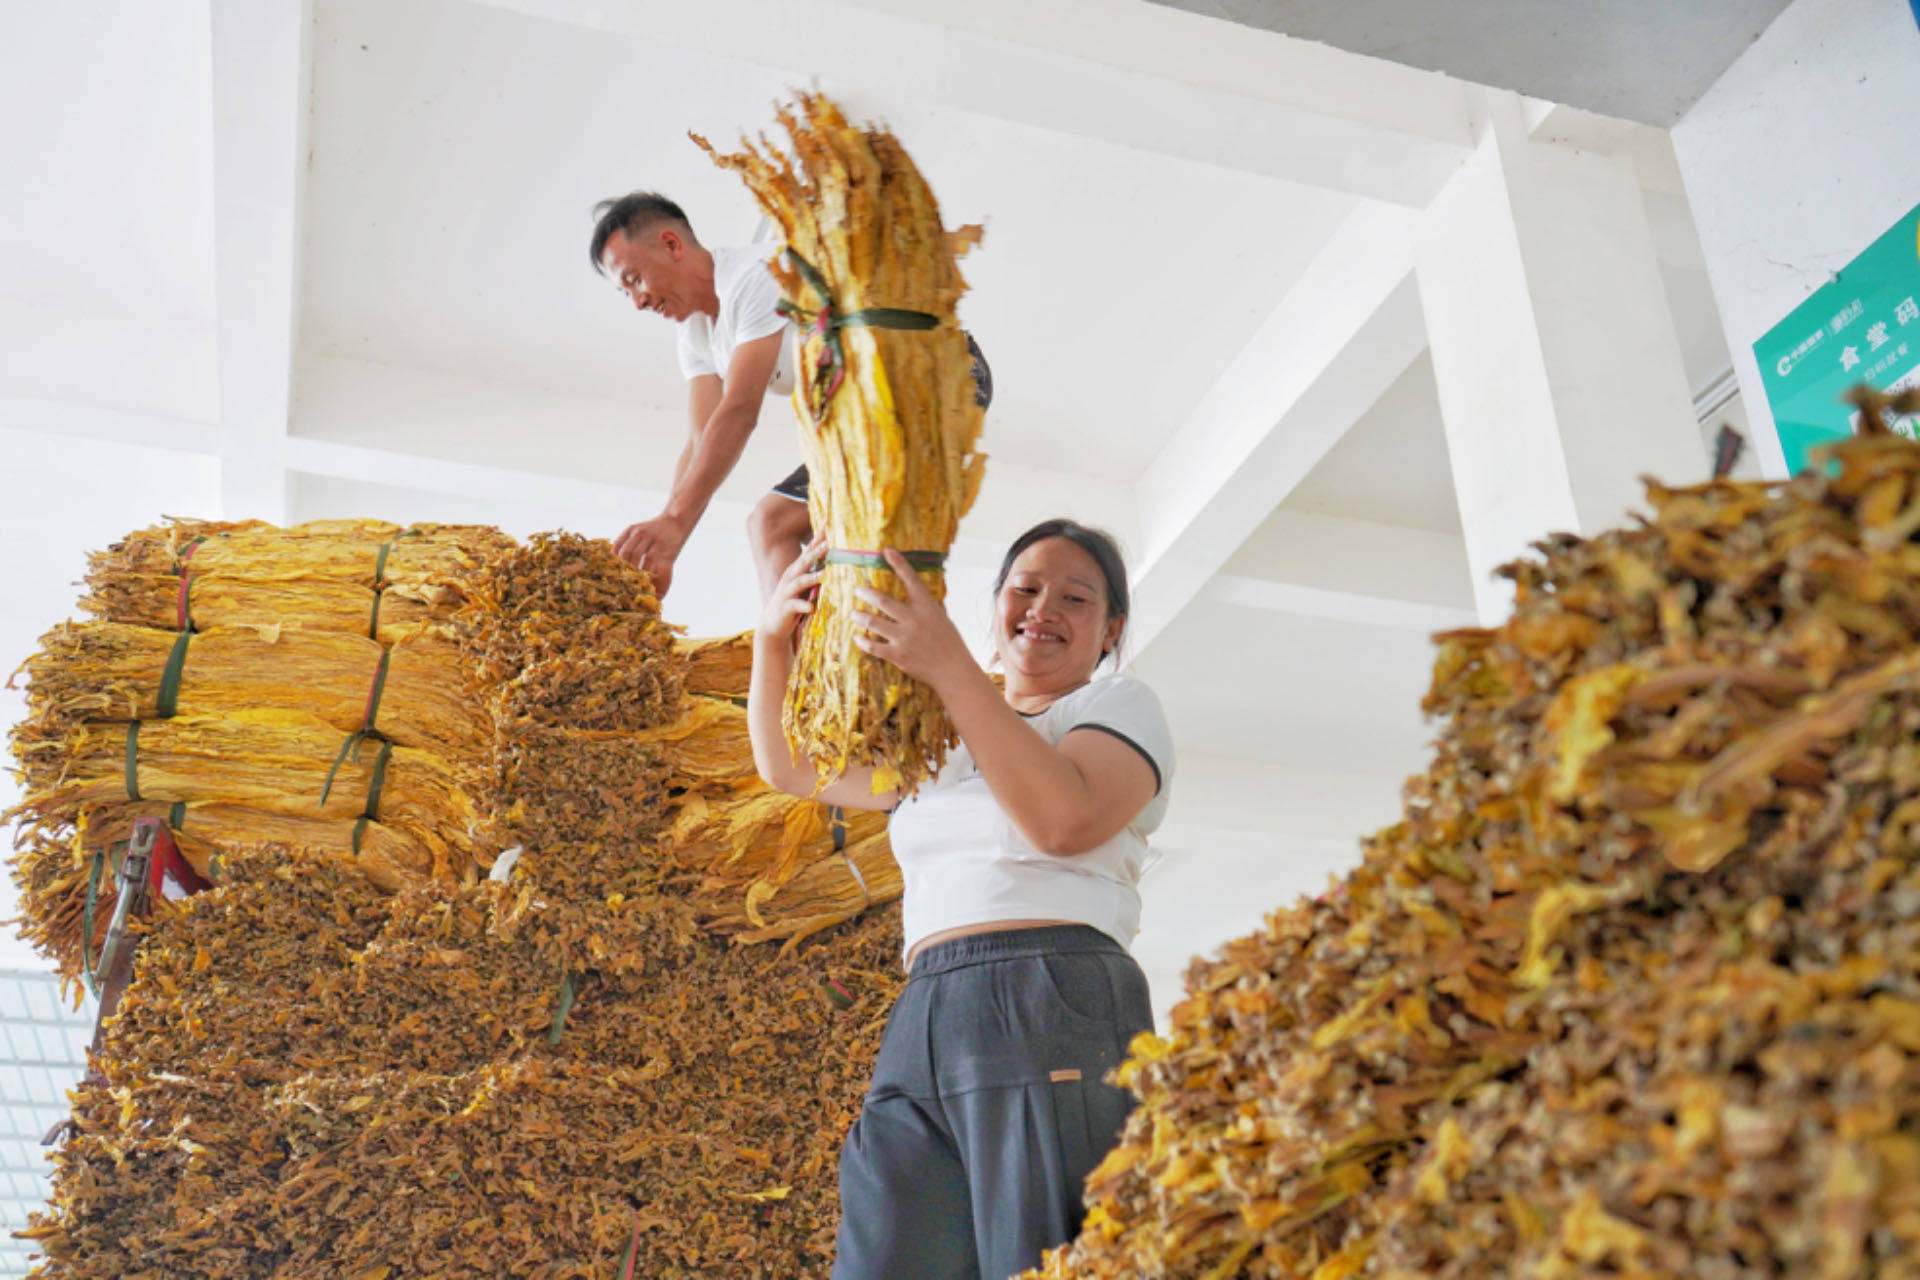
(1633,989)
(890,419)
(354,1057)
(252,685)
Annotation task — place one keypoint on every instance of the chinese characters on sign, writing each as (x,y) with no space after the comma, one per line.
(1864,326)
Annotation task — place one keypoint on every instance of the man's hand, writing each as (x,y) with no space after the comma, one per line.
(653,545)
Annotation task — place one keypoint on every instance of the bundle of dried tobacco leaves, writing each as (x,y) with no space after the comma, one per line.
(721,667)
(1634,987)
(890,420)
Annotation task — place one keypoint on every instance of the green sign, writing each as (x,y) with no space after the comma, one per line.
(1864,326)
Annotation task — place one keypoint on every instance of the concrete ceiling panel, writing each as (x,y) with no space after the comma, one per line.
(1645,60)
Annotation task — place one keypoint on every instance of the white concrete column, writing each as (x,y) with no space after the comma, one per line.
(260,109)
(1559,370)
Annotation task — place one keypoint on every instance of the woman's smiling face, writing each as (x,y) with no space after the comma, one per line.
(1051,620)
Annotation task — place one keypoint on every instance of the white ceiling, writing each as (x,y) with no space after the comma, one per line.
(106,244)
(456,151)
(1391,465)
(1645,60)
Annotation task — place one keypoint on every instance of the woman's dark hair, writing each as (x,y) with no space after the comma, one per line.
(1096,543)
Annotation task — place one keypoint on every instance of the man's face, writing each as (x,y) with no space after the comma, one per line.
(652,270)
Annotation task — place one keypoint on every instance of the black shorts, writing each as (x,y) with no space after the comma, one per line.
(795,485)
(989,1105)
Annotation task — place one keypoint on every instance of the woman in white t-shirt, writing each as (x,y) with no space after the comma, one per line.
(1021,863)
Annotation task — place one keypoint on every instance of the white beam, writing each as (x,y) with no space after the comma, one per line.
(1342,335)
(1337,606)
(1648,147)
(473,481)
(409,416)
(1559,370)
(113,426)
(260,108)
(403,487)
(1123,71)
(597,503)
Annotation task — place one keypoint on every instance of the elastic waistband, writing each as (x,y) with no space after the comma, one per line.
(1010,944)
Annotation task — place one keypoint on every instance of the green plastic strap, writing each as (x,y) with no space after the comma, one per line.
(380,577)
(133,760)
(889,318)
(351,745)
(871,317)
(359,829)
(86,923)
(379,781)
(830,367)
(926,560)
(177,815)
(366,729)
(169,699)
(373,698)
(380,581)
(560,1014)
(837,817)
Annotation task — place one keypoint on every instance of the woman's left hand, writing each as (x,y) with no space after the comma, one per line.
(914,634)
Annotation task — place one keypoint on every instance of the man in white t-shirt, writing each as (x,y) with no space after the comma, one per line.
(735,350)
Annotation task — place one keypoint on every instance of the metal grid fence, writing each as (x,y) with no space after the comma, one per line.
(43,1054)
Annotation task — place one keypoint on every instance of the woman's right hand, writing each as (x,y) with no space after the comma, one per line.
(791,600)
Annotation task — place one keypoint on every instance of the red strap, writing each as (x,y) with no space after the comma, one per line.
(633,1247)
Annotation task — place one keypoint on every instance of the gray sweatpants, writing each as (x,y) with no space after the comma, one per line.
(987,1110)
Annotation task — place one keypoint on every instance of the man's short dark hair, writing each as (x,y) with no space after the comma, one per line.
(633,213)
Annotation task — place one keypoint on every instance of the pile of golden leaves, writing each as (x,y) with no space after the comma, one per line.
(1633,989)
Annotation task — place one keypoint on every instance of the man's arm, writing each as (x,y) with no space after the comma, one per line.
(711,452)
(719,446)
(703,397)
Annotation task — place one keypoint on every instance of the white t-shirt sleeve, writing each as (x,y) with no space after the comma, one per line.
(1127,709)
(754,303)
(696,352)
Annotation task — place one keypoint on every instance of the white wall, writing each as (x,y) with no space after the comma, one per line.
(106,234)
(1243,839)
(65,497)
(1802,155)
